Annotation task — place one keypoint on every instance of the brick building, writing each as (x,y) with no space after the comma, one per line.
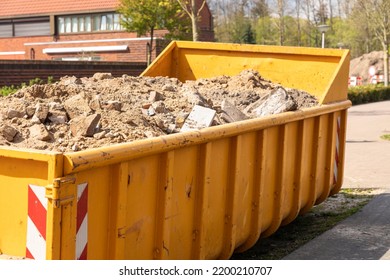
(75,30)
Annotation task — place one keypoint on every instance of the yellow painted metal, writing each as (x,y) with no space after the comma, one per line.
(194,195)
(204,194)
(18,169)
(322,72)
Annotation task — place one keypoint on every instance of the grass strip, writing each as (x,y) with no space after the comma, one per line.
(308,226)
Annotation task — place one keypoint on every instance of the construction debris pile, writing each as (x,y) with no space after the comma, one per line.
(76,114)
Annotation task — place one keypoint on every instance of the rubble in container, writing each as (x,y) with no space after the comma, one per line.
(76,114)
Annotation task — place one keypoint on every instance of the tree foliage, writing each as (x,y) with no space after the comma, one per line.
(266,31)
(260,8)
(359,25)
(146,16)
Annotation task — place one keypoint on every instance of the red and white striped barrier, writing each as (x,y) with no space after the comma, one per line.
(337,159)
(355,81)
(36,222)
(376,79)
(82,222)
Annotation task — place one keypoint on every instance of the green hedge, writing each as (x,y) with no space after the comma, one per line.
(7,90)
(367,94)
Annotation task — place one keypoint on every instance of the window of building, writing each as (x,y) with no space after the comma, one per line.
(96,23)
(75,25)
(89,23)
(6,29)
(25,27)
(117,22)
(79,58)
(81,24)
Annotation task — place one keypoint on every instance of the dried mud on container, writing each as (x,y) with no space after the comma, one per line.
(76,114)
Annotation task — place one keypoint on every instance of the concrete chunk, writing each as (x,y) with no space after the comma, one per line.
(58,117)
(102,76)
(230,113)
(15,113)
(200,117)
(168,88)
(159,107)
(9,132)
(30,111)
(72,80)
(84,126)
(193,96)
(113,105)
(41,112)
(77,106)
(39,132)
(155,96)
(278,102)
(94,104)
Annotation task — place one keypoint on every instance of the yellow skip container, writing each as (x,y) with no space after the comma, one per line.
(193,195)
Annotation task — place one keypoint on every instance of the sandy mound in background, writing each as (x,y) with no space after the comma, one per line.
(359,66)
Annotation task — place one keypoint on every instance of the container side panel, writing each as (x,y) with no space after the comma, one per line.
(295,132)
(289,169)
(34,171)
(165,64)
(271,198)
(338,84)
(322,72)
(166,173)
(312,179)
(118,203)
(230,229)
(214,207)
(180,204)
(100,185)
(343,138)
(308,73)
(321,162)
(244,185)
(256,150)
(68,232)
(333,149)
(199,251)
(54,223)
(15,176)
(205,199)
(306,180)
(341,127)
(329,157)
(141,204)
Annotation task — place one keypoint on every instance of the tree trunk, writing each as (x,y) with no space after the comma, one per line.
(150,50)
(194,19)
(331,14)
(298,7)
(195,34)
(281,8)
(385,46)
(386,64)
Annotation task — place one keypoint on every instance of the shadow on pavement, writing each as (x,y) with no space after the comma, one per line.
(363,236)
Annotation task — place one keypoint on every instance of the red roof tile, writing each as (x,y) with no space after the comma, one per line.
(20,8)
